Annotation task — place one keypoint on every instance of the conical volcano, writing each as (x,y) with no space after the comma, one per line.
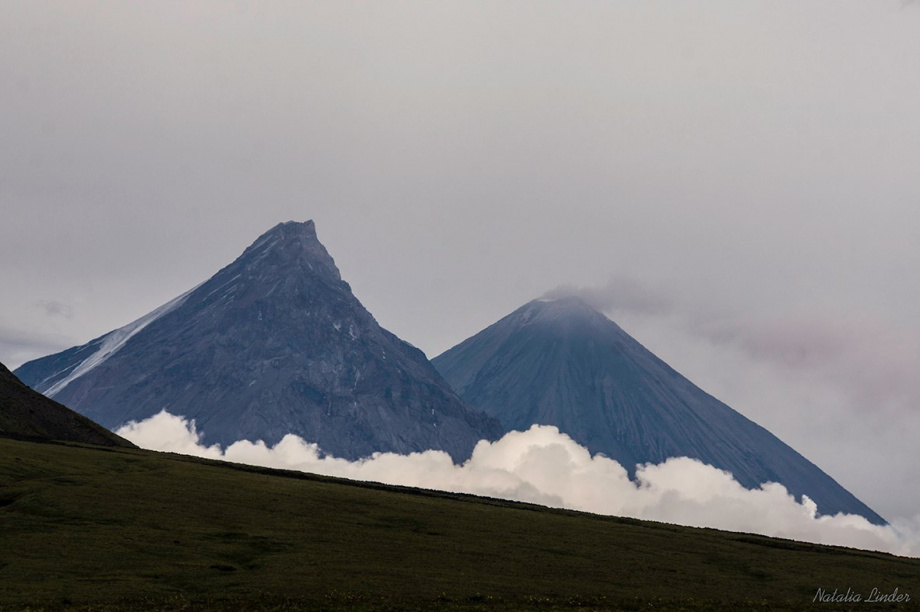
(275,343)
(560,362)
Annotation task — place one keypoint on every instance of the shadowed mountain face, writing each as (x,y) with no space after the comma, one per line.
(562,363)
(275,343)
(27,415)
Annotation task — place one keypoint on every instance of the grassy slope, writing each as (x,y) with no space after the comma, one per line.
(131,529)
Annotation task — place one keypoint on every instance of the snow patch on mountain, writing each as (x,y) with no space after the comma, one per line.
(113,342)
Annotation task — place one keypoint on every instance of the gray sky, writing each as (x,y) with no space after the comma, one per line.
(738,182)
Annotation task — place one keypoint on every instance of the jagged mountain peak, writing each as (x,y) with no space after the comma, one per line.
(290,248)
(274,343)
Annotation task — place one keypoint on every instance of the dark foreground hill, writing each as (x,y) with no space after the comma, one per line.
(561,362)
(27,415)
(88,529)
(274,343)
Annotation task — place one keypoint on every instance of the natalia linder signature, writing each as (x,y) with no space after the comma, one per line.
(851,596)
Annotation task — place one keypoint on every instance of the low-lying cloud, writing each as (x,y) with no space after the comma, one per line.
(621,293)
(546,467)
(875,359)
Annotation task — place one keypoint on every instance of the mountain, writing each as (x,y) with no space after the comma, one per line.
(274,343)
(560,362)
(27,415)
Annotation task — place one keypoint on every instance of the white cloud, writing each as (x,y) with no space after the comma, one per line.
(547,467)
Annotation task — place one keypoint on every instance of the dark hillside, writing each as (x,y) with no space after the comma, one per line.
(137,530)
(28,415)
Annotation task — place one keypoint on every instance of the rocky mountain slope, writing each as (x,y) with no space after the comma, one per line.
(274,343)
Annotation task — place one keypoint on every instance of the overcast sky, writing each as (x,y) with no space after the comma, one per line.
(736,183)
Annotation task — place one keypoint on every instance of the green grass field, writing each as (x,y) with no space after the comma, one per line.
(111,529)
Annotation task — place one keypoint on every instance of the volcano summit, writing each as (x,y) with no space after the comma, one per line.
(561,362)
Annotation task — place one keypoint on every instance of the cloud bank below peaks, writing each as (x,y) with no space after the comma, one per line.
(544,466)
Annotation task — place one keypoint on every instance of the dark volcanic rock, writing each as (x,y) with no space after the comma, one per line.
(275,343)
(28,415)
(562,363)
